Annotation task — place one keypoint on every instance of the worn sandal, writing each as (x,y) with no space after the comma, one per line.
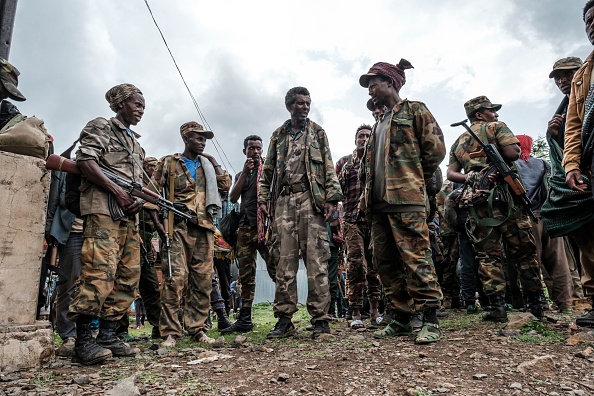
(394,329)
(429,333)
(357,324)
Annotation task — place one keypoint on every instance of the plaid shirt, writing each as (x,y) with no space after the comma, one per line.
(352,187)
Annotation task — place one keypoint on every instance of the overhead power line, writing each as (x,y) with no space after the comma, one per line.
(200,114)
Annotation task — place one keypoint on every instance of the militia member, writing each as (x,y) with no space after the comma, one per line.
(376,110)
(402,154)
(550,252)
(9,77)
(194,182)
(305,194)
(250,238)
(357,233)
(513,229)
(578,130)
(110,256)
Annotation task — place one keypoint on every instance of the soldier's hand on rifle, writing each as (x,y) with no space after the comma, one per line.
(135,207)
(555,124)
(329,209)
(575,181)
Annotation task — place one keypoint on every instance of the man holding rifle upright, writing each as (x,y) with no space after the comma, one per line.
(194,182)
(500,220)
(110,256)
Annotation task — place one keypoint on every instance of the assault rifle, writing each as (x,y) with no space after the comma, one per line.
(55,162)
(270,204)
(167,242)
(506,173)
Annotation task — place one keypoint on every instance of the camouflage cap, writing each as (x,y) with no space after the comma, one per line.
(480,102)
(9,75)
(150,161)
(569,63)
(193,126)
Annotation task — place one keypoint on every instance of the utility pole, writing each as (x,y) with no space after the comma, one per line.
(7,14)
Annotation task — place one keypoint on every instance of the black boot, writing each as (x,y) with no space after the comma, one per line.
(496,312)
(107,338)
(332,309)
(86,349)
(587,319)
(243,324)
(222,319)
(537,303)
(283,328)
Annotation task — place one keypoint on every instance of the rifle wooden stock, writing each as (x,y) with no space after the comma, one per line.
(56,163)
(480,153)
(515,185)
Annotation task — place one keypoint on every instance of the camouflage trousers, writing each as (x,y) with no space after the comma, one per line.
(515,236)
(301,231)
(360,264)
(192,250)
(247,249)
(402,258)
(110,269)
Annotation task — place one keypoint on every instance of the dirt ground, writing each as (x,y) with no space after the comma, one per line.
(474,358)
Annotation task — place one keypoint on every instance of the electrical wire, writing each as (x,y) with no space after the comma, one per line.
(200,114)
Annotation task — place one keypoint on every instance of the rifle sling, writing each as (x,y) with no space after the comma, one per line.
(171,191)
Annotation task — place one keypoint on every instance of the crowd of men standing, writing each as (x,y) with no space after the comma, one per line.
(404,235)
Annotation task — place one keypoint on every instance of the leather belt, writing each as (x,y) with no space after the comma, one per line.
(295,188)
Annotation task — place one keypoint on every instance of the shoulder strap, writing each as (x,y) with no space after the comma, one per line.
(171,191)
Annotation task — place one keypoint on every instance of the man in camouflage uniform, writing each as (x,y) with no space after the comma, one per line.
(306,194)
(198,181)
(402,153)
(514,230)
(251,226)
(357,233)
(110,256)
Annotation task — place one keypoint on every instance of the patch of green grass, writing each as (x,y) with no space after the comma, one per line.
(44,378)
(423,393)
(459,321)
(148,376)
(196,388)
(543,335)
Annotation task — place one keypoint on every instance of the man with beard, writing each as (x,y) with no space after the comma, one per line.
(357,233)
(305,198)
(402,154)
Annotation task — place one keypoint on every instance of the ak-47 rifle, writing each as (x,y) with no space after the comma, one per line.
(507,174)
(55,162)
(270,206)
(167,243)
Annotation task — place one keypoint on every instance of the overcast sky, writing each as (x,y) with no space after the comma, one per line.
(239,58)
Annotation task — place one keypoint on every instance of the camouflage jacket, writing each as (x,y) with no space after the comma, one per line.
(188,192)
(496,133)
(414,148)
(320,171)
(98,142)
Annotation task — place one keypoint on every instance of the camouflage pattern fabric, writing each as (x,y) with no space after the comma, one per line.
(445,228)
(301,231)
(515,234)
(110,269)
(320,172)
(496,133)
(520,250)
(99,143)
(403,261)
(192,268)
(480,102)
(414,148)
(247,249)
(188,192)
(360,264)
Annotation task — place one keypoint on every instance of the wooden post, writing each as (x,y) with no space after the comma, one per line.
(7,15)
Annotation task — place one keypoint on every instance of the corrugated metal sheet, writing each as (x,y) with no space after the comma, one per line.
(265,286)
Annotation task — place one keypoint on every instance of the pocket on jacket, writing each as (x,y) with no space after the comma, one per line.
(315,154)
